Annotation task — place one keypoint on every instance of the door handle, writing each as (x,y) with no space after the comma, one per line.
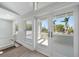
(48,34)
(51,35)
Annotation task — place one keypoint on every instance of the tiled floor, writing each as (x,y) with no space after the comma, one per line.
(21,52)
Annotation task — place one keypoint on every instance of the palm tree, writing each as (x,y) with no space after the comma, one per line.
(66,19)
(54,22)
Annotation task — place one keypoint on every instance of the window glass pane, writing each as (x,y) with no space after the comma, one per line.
(44,26)
(16,27)
(43,29)
(63,35)
(64,25)
(29,29)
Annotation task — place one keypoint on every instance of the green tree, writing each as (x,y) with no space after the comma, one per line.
(28,26)
(70,30)
(59,28)
(44,30)
(54,22)
(16,27)
(66,19)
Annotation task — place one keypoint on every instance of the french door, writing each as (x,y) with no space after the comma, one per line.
(62,37)
(43,38)
(54,39)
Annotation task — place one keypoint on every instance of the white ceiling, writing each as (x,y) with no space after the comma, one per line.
(8,10)
(43,4)
(19,7)
(23,7)
(4,14)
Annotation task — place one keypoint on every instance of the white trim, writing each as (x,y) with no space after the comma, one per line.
(57,12)
(76,31)
(50,9)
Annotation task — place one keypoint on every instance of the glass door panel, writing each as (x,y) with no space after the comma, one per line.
(42,41)
(29,31)
(62,29)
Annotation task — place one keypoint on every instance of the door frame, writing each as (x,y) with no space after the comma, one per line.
(75,11)
(47,52)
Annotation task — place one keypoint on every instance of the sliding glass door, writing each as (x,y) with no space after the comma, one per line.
(42,40)
(29,31)
(62,40)
(55,36)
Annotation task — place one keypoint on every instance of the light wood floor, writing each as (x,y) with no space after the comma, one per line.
(21,52)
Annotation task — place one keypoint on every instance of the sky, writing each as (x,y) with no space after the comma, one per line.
(58,21)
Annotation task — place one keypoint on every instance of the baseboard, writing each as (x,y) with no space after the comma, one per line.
(7,46)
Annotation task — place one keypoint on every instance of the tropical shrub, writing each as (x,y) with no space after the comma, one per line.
(59,28)
(44,30)
(70,30)
(28,27)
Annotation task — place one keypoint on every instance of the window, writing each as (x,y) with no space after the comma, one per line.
(29,29)
(16,27)
(43,32)
(64,25)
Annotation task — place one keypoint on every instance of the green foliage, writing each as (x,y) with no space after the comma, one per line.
(44,30)
(70,30)
(59,28)
(66,19)
(28,26)
(16,27)
(54,22)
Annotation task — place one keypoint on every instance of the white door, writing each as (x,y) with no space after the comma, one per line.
(62,38)
(43,36)
(55,36)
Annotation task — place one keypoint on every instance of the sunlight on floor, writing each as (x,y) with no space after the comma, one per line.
(43,42)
